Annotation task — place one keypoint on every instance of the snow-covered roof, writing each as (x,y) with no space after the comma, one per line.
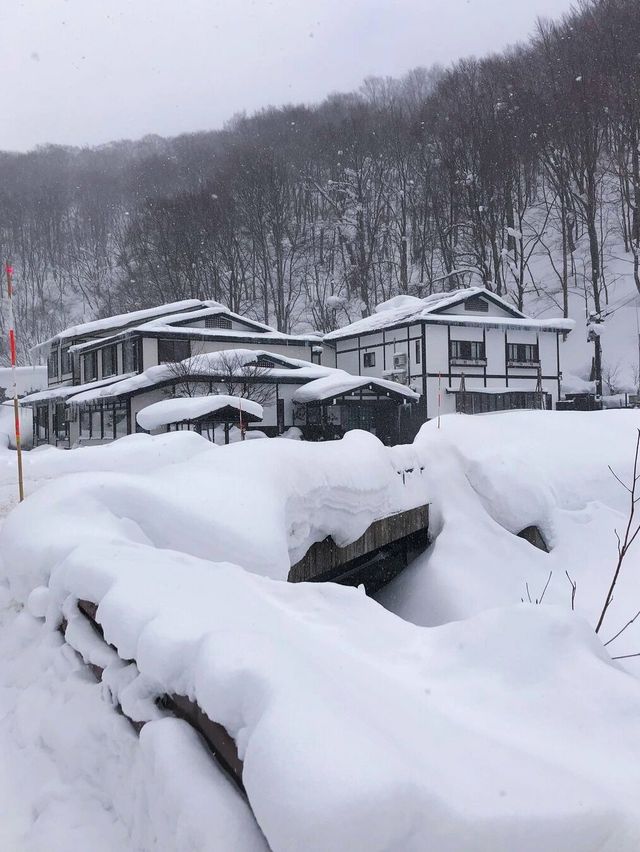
(179,324)
(178,410)
(27,379)
(99,326)
(406,309)
(66,391)
(340,382)
(216,364)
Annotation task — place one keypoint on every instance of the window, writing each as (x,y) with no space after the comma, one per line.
(52,364)
(475,303)
(65,361)
(108,422)
(523,353)
(42,424)
(173,350)
(217,321)
(90,361)
(60,420)
(466,350)
(96,422)
(109,361)
(418,351)
(85,422)
(121,424)
(483,403)
(131,356)
(369,359)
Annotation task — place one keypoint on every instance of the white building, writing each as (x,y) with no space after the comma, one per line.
(503,358)
(103,373)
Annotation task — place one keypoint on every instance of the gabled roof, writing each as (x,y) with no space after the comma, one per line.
(180,326)
(119,322)
(403,310)
(173,317)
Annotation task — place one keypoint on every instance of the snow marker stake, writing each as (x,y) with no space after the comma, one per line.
(12,348)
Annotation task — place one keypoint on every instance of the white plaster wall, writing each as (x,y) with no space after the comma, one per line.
(437,349)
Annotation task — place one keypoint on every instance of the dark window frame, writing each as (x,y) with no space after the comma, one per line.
(171,347)
(467,350)
(131,355)
(109,358)
(90,358)
(66,363)
(368,359)
(523,353)
(52,365)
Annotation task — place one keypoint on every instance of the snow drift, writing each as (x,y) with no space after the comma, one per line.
(510,729)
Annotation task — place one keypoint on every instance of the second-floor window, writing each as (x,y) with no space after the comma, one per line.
(65,360)
(466,350)
(369,359)
(170,351)
(523,353)
(109,361)
(52,364)
(131,356)
(90,362)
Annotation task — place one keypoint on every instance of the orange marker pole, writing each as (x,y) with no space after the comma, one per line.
(16,405)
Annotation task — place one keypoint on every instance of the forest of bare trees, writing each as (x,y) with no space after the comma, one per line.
(310,216)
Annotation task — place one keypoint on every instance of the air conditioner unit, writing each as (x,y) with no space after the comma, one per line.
(400,361)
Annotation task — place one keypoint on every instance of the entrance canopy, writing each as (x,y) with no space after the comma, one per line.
(194,409)
(343,384)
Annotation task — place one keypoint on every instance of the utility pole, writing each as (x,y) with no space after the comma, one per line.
(16,405)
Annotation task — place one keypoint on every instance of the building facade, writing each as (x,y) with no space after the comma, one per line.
(102,374)
(467,351)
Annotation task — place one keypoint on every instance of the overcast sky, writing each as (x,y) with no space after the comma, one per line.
(85,72)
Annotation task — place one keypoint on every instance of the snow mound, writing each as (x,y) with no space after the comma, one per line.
(511,729)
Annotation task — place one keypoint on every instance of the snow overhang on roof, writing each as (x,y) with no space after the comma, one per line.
(182,409)
(68,391)
(341,383)
(402,310)
(119,321)
(215,366)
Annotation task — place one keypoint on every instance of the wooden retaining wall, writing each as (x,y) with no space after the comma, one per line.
(216,737)
(397,537)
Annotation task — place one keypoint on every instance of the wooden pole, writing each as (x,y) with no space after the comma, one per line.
(16,405)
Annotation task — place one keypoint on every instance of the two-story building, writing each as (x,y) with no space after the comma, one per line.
(468,351)
(103,373)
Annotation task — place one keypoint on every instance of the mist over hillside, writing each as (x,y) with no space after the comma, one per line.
(518,171)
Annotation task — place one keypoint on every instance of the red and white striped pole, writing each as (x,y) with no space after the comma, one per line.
(12,348)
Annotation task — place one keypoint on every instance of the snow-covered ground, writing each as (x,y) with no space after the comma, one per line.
(471,722)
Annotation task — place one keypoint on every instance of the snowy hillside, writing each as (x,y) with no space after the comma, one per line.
(502,728)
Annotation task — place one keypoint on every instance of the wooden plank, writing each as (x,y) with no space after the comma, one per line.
(216,737)
(325,557)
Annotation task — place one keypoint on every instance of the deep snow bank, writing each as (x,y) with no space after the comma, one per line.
(260,503)
(489,477)
(358,730)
